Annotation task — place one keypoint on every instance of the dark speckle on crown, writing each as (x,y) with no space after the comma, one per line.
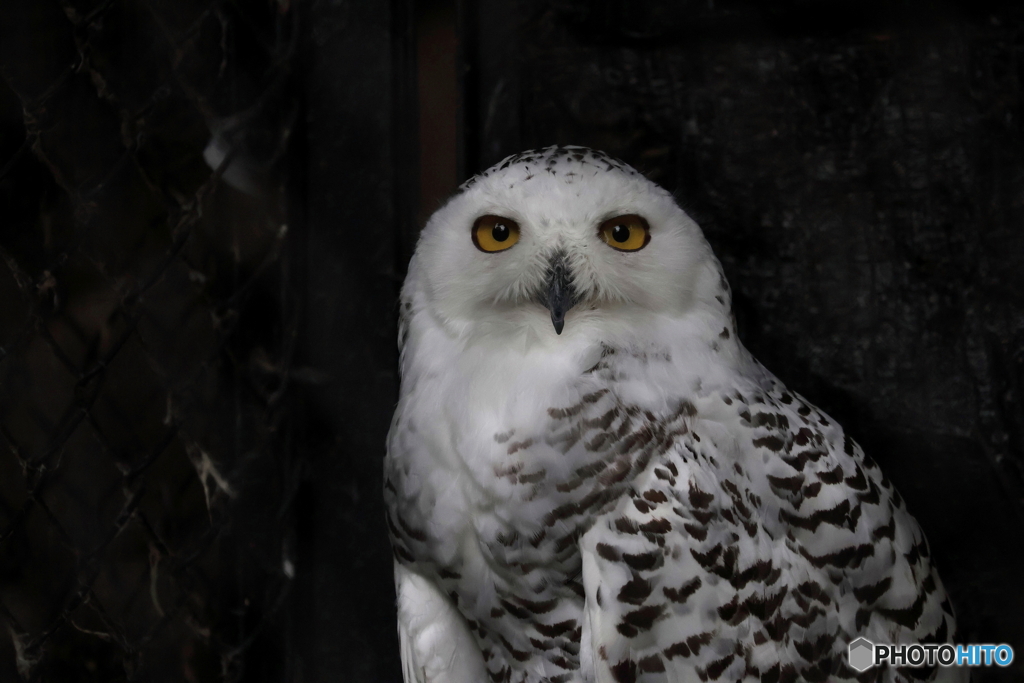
(557,160)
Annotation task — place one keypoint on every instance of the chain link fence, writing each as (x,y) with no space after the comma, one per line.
(147,325)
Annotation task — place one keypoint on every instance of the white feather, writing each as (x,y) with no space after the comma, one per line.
(435,642)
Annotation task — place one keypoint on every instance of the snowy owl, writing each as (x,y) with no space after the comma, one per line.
(590,479)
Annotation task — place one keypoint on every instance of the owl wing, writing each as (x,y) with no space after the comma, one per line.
(757,548)
(654,607)
(434,640)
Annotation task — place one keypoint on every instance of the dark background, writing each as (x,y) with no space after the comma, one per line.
(197,355)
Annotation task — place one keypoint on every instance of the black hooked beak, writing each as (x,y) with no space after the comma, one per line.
(560,295)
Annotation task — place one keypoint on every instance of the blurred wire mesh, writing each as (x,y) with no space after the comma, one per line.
(146,331)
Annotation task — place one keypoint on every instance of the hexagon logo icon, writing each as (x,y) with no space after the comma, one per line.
(861,654)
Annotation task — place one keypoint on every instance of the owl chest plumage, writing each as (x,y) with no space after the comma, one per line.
(708,509)
(498,478)
(491,495)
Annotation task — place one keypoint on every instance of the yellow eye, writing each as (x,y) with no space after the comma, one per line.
(626,233)
(495,233)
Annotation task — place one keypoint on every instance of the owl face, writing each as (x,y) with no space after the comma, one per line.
(555,240)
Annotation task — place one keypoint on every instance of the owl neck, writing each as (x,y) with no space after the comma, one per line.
(697,346)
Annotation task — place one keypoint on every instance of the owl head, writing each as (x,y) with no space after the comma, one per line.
(560,239)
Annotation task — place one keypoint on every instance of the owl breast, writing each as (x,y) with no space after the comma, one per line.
(490,494)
